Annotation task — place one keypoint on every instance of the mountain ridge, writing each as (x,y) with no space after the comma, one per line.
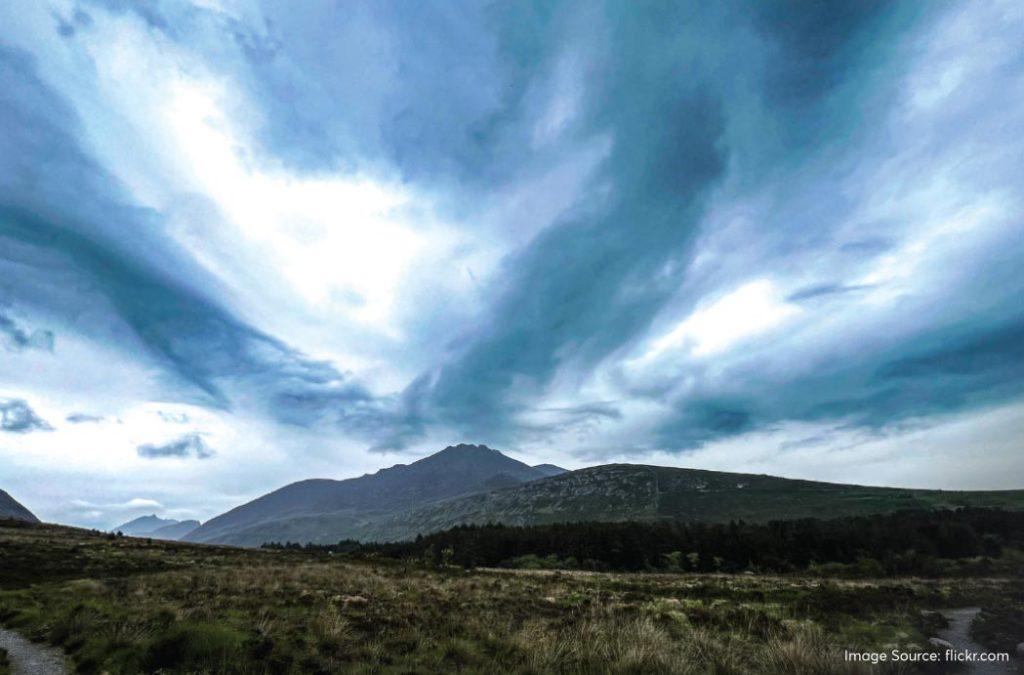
(526,496)
(622,492)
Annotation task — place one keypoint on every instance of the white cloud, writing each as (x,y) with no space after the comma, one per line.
(753,308)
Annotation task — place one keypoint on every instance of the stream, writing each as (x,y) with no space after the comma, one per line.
(30,658)
(959,635)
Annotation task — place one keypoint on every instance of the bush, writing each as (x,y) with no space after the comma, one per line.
(195,647)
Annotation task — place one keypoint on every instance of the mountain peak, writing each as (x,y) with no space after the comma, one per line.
(467,458)
(467,448)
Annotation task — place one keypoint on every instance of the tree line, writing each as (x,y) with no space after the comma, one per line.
(906,542)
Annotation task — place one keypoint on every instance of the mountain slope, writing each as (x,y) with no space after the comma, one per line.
(175,531)
(618,492)
(329,510)
(143,526)
(10,508)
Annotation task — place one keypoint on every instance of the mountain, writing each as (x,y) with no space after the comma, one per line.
(329,510)
(175,531)
(143,526)
(618,492)
(474,484)
(10,508)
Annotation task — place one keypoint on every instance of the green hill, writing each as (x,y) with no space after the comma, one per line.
(618,492)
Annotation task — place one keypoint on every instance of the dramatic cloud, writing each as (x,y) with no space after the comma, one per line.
(325,237)
(17,417)
(189,445)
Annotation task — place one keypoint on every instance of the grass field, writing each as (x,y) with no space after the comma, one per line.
(124,605)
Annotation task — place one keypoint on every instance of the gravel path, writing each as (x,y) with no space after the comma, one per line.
(29,658)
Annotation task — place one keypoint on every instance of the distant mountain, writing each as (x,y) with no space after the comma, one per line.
(550,469)
(328,510)
(175,531)
(10,508)
(143,526)
(618,492)
(474,484)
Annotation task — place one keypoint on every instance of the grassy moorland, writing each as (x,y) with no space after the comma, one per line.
(123,605)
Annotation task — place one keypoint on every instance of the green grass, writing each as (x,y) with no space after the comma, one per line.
(1000,624)
(127,606)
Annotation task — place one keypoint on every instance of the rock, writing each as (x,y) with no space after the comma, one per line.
(939,643)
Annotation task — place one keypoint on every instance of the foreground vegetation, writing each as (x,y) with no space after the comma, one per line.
(124,605)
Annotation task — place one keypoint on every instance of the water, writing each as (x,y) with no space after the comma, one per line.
(959,635)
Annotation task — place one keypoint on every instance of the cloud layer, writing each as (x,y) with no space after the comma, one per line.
(324,237)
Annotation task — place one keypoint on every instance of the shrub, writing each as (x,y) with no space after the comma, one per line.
(195,646)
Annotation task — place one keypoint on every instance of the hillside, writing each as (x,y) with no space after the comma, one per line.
(10,508)
(618,492)
(328,510)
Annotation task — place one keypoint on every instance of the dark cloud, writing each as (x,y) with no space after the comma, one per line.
(189,445)
(960,367)
(15,338)
(17,417)
(698,421)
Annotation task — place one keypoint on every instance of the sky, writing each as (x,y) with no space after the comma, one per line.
(244,243)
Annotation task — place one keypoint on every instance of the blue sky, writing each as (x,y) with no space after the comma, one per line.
(245,243)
